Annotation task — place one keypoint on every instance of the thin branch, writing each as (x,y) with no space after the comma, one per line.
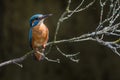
(16,60)
(68,13)
(101,31)
(70,56)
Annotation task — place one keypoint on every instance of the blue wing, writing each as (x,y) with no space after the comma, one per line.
(30,37)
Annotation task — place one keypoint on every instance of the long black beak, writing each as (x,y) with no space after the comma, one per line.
(45,16)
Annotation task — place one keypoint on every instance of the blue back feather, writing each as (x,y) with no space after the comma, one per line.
(30,37)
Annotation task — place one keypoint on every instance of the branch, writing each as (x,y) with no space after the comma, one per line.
(108,26)
(16,60)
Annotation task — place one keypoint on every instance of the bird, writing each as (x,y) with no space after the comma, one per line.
(38,35)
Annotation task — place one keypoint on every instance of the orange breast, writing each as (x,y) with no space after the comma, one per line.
(39,35)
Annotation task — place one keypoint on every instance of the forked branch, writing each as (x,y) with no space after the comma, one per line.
(108,26)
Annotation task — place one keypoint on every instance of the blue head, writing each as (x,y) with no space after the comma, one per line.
(35,19)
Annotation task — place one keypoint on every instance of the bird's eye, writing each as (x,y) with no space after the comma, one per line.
(37,18)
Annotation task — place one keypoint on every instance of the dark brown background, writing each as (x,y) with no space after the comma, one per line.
(96,61)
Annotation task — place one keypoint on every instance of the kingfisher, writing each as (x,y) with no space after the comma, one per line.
(38,34)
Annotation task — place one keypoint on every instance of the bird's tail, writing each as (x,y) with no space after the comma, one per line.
(39,55)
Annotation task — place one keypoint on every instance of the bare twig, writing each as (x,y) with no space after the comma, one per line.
(108,26)
(16,60)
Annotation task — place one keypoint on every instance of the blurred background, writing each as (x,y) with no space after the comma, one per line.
(96,61)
